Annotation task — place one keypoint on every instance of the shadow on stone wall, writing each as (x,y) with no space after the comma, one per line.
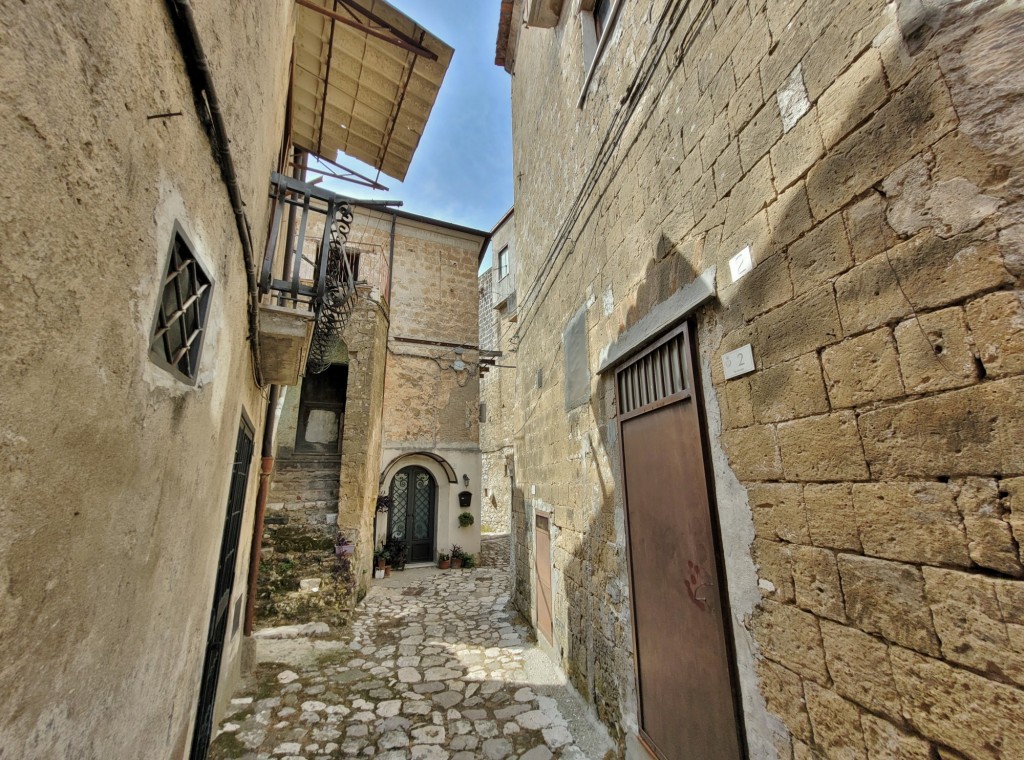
(795,278)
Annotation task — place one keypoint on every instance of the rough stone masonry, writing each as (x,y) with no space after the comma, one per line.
(869,473)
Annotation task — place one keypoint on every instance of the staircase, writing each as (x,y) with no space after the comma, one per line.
(307,484)
(298,545)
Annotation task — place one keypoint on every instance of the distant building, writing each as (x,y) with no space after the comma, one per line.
(395,413)
(497,385)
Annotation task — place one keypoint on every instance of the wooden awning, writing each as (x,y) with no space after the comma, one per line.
(364,81)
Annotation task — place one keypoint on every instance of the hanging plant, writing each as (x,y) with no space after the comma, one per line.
(465,519)
(384,502)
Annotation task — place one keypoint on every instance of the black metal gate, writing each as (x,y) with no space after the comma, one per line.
(413,513)
(222,592)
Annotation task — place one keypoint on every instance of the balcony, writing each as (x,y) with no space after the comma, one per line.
(307,293)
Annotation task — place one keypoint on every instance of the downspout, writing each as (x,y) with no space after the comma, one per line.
(197,67)
(391,257)
(267,451)
(266,467)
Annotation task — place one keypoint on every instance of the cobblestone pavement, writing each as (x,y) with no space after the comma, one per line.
(494,551)
(435,669)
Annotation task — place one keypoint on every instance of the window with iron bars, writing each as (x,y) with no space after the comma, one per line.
(180,324)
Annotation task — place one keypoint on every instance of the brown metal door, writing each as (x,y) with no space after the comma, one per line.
(688,707)
(542,572)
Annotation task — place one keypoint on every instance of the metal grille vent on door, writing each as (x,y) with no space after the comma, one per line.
(656,377)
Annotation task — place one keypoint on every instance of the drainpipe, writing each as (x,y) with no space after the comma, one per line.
(208,108)
(266,467)
(267,451)
(391,256)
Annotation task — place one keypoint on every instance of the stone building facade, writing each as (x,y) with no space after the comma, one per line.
(402,401)
(864,462)
(497,385)
(432,387)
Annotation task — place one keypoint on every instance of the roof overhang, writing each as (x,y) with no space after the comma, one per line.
(364,81)
(510,19)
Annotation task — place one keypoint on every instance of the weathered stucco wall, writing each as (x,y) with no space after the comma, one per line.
(116,474)
(868,472)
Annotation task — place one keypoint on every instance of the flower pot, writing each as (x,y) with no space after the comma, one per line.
(387,571)
(456,563)
(378,573)
(444,564)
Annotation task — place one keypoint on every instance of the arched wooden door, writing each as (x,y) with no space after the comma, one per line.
(413,513)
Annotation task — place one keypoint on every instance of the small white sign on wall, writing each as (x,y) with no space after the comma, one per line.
(741,263)
(738,362)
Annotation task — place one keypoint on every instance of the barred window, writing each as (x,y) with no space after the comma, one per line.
(180,324)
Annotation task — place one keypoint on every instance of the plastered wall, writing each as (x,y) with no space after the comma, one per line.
(868,471)
(115,474)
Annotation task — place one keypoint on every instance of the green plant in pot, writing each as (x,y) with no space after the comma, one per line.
(457,556)
(444,561)
(398,551)
(465,519)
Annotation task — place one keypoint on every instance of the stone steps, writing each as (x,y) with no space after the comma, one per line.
(304,479)
(303,495)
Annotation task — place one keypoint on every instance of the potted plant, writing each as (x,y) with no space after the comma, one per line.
(444,561)
(456,557)
(398,552)
(384,502)
(465,519)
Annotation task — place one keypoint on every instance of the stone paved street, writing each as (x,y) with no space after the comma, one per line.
(433,668)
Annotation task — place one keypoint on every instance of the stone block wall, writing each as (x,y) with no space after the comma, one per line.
(366,337)
(497,394)
(497,389)
(868,472)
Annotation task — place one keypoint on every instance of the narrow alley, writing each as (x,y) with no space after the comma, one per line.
(434,667)
(512,379)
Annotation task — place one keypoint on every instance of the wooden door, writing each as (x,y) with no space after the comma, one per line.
(223,586)
(542,573)
(685,672)
(413,513)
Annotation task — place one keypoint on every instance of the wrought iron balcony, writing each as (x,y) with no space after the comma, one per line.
(304,307)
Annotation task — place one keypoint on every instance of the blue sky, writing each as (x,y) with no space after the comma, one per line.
(462,169)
